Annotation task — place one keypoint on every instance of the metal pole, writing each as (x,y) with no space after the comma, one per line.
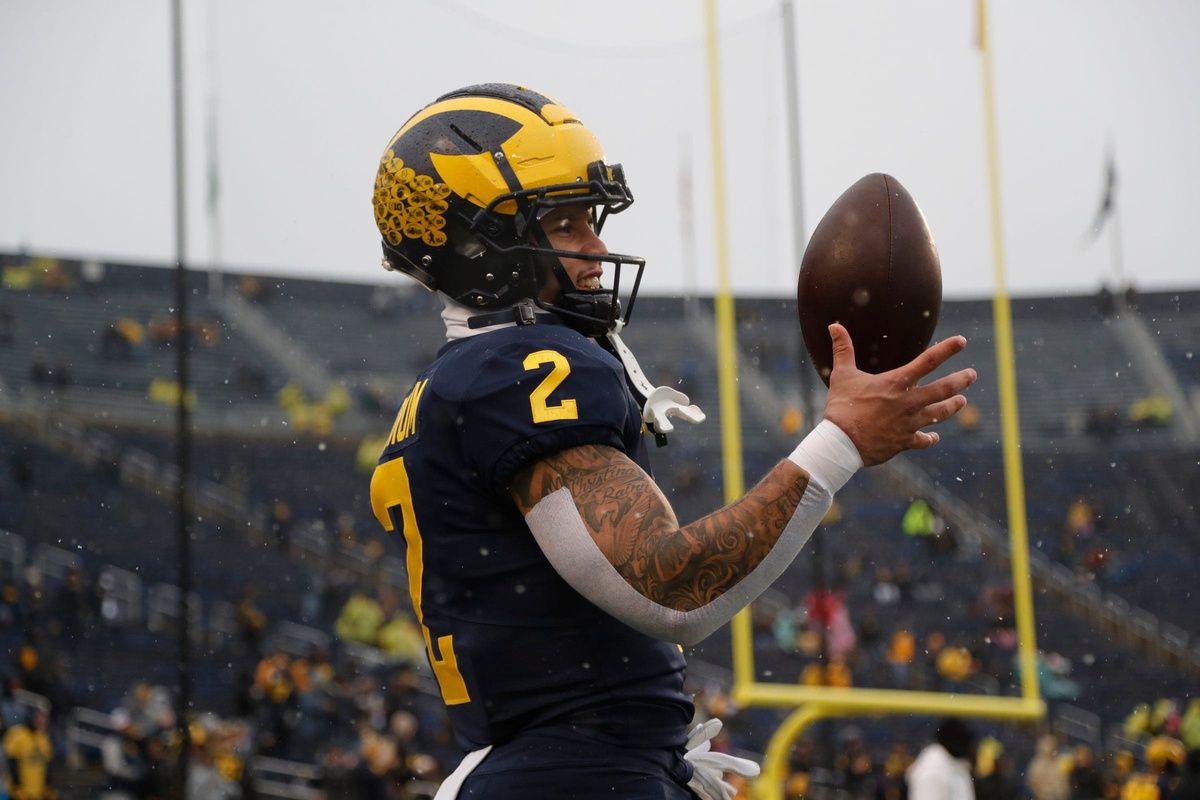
(731,417)
(1010,428)
(213,202)
(687,228)
(182,433)
(1121,283)
(791,84)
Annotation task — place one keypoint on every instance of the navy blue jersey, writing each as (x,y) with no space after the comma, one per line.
(513,646)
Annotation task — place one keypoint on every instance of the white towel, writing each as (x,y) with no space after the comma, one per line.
(454,781)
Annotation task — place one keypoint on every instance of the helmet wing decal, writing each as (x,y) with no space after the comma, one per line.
(474,178)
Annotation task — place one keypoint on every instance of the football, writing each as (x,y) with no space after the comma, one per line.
(871,265)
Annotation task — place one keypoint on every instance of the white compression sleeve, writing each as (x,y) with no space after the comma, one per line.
(564,539)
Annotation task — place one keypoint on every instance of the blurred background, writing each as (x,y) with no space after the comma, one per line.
(308,676)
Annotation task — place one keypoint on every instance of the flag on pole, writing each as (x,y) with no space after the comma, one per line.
(1108,200)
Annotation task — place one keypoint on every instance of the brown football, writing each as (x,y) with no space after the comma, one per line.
(871,265)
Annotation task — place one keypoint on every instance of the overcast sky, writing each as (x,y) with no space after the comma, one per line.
(308,93)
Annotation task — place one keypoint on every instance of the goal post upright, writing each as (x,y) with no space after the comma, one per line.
(813,703)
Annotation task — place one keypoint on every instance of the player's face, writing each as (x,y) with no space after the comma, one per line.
(572,228)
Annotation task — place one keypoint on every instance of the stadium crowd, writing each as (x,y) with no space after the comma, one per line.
(369,729)
(360,713)
(373,731)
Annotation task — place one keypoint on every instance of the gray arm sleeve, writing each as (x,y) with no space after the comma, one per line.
(564,539)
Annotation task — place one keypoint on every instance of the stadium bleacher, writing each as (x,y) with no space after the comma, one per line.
(1079,373)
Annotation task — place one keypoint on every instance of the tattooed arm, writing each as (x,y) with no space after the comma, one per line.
(633,526)
(608,531)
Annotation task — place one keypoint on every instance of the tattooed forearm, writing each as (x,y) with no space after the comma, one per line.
(636,530)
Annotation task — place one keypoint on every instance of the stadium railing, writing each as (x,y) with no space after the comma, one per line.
(162,610)
(86,731)
(12,552)
(1134,627)
(122,595)
(296,640)
(275,344)
(1073,723)
(291,780)
(272,777)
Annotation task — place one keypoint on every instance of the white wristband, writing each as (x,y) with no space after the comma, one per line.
(828,456)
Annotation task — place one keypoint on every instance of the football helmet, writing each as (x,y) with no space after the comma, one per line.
(460,190)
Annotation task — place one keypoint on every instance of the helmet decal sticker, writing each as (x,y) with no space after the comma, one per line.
(409,205)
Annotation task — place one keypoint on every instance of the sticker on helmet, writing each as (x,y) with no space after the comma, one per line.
(408,205)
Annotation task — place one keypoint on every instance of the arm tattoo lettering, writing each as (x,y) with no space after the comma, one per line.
(681,567)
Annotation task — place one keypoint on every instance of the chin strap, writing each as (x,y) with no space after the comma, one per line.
(523,312)
(659,403)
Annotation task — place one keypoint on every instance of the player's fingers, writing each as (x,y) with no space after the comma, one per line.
(944,387)
(940,412)
(843,347)
(932,358)
(923,439)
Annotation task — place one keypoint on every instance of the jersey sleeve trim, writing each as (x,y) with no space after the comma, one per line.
(544,444)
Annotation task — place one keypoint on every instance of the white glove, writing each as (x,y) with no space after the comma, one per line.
(709,768)
(663,402)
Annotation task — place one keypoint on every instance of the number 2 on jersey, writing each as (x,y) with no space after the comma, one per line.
(542,410)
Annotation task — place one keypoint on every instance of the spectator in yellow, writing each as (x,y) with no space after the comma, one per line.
(834,515)
(1140,786)
(28,747)
(954,664)
(54,277)
(837,674)
(1189,726)
(791,421)
(367,456)
(300,673)
(1164,750)
(918,519)
(250,620)
(1138,722)
(271,676)
(968,418)
(130,330)
(1086,777)
(796,787)
(901,651)
(360,620)
(1164,710)
(1154,409)
(1044,776)
(1081,520)
(1123,766)
(1164,756)
(401,639)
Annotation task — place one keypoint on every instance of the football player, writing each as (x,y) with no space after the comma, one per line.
(549,575)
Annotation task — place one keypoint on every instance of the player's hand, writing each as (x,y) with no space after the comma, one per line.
(884,414)
(709,768)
